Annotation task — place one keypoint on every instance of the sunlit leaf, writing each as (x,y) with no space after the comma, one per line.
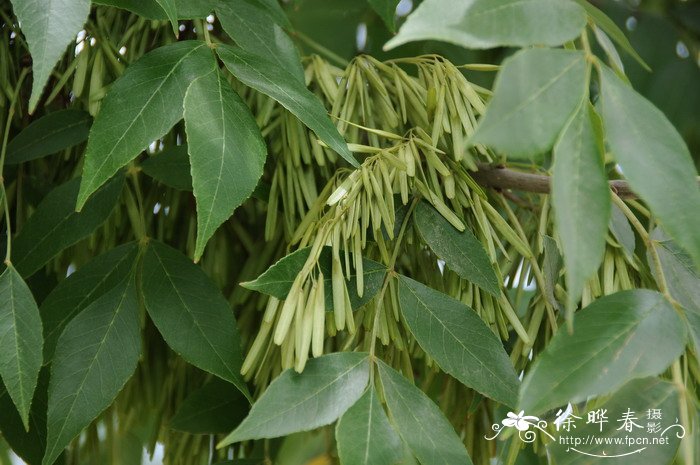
(297,402)
(579,187)
(49,28)
(493,23)
(536,92)
(609,346)
(648,147)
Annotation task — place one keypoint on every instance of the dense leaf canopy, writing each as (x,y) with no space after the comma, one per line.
(349,232)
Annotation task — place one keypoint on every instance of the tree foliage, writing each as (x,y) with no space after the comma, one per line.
(213,241)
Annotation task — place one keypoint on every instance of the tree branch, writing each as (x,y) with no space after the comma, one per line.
(500,177)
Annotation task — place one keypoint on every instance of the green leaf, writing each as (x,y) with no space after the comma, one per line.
(458,340)
(277,280)
(365,436)
(265,76)
(295,402)
(80,289)
(29,445)
(191,314)
(186,9)
(622,230)
(619,337)
(254,26)
(227,152)
(95,356)
(461,251)
(421,424)
(141,106)
(215,408)
(682,279)
(551,268)
(610,28)
(49,134)
(386,9)
(647,146)
(170,167)
(581,199)
(493,23)
(21,341)
(170,9)
(639,396)
(535,94)
(56,225)
(49,28)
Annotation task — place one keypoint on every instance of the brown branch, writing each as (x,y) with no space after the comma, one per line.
(500,177)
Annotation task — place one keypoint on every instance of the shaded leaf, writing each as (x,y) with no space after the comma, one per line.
(493,23)
(255,27)
(278,83)
(386,9)
(682,279)
(647,146)
(49,28)
(421,424)
(535,93)
(82,288)
(227,152)
(640,396)
(191,314)
(581,200)
(461,251)
(95,356)
(21,341)
(141,106)
(186,9)
(56,225)
(170,167)
(619,337)
(277,280)
(365,436)
(28,445)
(169,7)
(611,29)
(215,408)
(622,230)
(49,134)
(458,340)
(295,402)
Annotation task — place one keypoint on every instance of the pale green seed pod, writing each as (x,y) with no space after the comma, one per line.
(339,291)
(319,318)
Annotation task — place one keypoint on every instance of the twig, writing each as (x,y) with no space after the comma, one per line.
(500,177)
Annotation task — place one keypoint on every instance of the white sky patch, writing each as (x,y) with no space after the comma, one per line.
(529,284)
(70,270)
(404,8)
(361,37)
